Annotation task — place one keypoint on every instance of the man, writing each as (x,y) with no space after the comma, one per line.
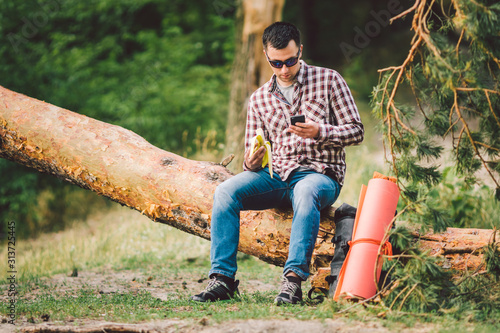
(308,162)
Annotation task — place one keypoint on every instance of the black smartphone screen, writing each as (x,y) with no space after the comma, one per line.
(298,119)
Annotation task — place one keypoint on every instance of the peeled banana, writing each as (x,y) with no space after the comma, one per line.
(257,142)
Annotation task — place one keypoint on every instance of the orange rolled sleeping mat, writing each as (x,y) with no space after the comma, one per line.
(361,270)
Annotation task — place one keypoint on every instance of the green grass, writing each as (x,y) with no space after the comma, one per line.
(128,307)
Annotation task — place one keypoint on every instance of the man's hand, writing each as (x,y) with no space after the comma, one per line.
(254,162)
(307,130)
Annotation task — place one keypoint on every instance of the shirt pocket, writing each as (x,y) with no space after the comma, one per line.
(316,110)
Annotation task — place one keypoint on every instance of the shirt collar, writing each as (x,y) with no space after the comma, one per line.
(301,77)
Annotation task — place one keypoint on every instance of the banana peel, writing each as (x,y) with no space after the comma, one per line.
(259,141)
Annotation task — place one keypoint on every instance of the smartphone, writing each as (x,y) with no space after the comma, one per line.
(298,119)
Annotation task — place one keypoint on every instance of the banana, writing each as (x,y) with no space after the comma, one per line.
(257,142)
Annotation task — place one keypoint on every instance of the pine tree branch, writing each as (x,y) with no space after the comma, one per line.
(406,12)
(472,141)
(450,129)
(487,146)
(493,284)
(424,33)
(486,93)
(407,295)
(419,104)
(396,298)
(483,48)
(446,67)
(390,102)
(480,5)
(388,120)
(475,273)
(458,44)
(398,119)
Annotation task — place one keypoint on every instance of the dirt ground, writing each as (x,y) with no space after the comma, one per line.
(248,326)
(125,281)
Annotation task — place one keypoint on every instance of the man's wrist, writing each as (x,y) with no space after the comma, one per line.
(246,166)
(250,169)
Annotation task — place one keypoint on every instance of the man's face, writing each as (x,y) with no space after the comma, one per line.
(285,75)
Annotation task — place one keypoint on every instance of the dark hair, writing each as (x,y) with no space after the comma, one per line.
(279,34)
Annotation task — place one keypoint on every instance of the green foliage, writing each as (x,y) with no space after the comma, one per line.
(492,258)
(477,299)
(18,192)
(158,68)
(418,282)
(453,72)
(453,202)
(468,206)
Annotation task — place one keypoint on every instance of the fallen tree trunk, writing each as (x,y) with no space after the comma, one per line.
(119,164)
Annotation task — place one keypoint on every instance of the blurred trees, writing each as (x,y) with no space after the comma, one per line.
(159,68)
(354,37)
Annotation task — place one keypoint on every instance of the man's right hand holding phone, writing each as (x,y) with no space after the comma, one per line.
(303,127)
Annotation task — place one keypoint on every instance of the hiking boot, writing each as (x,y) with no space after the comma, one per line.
(217,290)
(290,292)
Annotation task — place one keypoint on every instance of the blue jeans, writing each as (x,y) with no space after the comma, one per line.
(307,192)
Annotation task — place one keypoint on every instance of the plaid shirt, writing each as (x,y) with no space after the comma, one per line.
(323,96)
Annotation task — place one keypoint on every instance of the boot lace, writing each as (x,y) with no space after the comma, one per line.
(213,284)
(288,287)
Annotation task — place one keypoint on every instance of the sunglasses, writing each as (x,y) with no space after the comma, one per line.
(289,62)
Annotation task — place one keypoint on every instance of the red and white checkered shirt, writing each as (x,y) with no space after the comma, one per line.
(323,96)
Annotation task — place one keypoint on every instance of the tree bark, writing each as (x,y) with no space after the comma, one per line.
(250,69)
(119,164)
